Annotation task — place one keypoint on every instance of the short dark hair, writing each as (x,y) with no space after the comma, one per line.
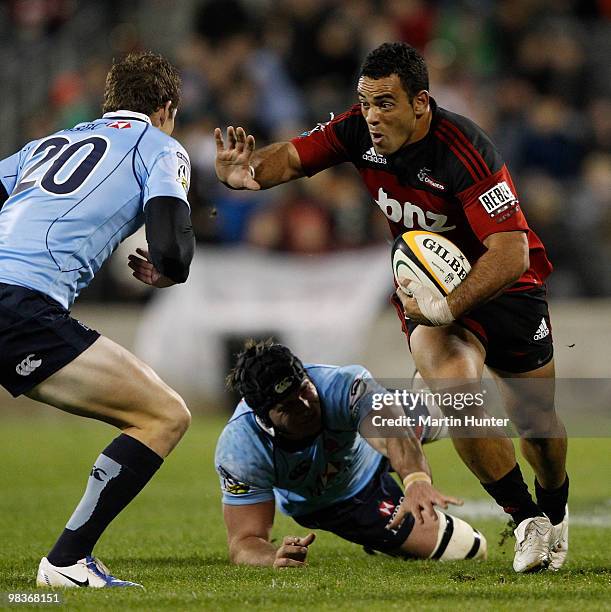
(265,373)
(141,82)
(401,59)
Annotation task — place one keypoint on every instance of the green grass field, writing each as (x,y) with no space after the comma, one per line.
(171,538)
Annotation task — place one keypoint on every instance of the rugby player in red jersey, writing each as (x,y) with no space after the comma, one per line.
(430,169)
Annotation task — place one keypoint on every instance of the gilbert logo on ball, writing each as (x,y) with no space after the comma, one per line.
(429,259)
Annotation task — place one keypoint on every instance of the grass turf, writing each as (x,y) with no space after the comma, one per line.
(171,538)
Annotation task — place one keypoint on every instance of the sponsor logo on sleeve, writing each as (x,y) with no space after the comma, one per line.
(230,484)
(184,171)
(357,390)
(498,199)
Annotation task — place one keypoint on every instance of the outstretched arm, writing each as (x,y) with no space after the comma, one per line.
(239,166)
(420,496)
(404,451)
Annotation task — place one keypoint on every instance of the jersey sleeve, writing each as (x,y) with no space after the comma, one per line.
(355,394)
(246,476)
(480,179)
(328,144)
(492,205)
(9,169)
(168,173)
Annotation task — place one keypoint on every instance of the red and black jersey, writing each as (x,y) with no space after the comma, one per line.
(453,182)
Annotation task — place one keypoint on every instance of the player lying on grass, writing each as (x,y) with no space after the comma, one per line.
(67,201)
(294,441)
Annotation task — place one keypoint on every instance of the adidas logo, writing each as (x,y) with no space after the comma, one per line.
(372,156)
(542,331)
(28,365)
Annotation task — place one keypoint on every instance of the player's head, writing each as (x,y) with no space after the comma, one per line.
(144,83)
(275,385)
(393,92)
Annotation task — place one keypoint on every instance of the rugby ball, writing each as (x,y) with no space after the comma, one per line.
(430,259)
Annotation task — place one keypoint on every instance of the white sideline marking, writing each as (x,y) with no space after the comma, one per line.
(485,509)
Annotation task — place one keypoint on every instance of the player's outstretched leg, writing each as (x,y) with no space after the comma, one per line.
(108,383)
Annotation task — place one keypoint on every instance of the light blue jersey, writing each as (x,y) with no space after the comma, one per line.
(75,195)
(334,467)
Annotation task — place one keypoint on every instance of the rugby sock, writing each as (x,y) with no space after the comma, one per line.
(512,494)
(119,474)
(553,502)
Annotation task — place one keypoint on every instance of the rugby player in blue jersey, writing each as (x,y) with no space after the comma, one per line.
(66,202)
(294,442)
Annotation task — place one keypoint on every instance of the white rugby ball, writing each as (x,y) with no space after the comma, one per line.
(430,259)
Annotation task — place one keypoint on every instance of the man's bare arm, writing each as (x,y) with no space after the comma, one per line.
(248,530)
(506,259)
(277,163)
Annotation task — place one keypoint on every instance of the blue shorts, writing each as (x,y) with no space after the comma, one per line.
(362,519)
(38,337)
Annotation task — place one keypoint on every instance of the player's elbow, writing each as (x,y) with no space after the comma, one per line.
(236,549)
(234,552)
(520,261)
(511,252)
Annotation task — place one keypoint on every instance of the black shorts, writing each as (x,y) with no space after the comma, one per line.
(363,518)
(37,338)
(514,328)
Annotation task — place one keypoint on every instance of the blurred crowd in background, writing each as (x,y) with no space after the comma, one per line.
(535,74)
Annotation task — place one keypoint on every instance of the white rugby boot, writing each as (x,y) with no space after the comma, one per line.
(533,536)
(559,543)
(88,572)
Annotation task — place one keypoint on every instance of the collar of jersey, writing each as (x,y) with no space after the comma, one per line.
(124,114)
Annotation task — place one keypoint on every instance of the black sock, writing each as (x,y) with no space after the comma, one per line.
(511,493)
(553,502)
(119,474)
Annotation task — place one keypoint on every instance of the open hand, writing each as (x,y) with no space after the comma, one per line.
(232,163)
(421,499)
(146,272)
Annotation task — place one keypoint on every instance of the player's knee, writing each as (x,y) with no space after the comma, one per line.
(537,426)
(456,540)
(170,416)
(178,415)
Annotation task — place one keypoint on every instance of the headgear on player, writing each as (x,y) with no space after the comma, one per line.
(265,373)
